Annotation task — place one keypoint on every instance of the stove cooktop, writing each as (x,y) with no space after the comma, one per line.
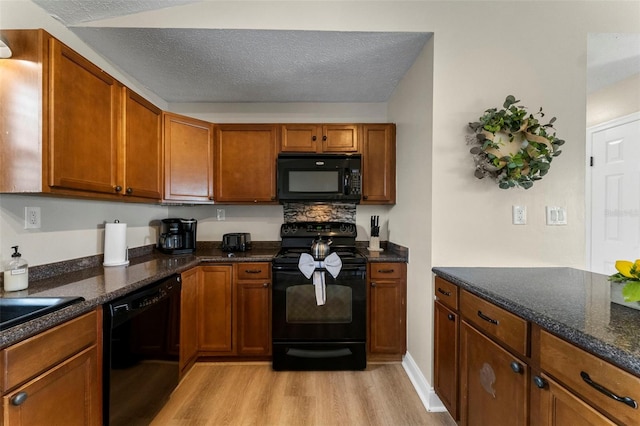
(297,238)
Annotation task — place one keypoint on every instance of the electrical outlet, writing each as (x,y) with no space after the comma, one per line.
(556,215)
(519,215)
(32,218)
(220,214)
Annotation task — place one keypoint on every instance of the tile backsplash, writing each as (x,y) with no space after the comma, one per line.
(308,212)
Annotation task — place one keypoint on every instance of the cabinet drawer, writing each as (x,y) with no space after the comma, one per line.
(36,354)
(386,270)
(574,367)
(446,293)
(253,271)
(508,328)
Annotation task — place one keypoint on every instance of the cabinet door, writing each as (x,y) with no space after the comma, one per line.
(254,317)
(493,383)
(300,138)
(387,308)
(446,357)
(214,309)
(340,138)
(558,407)
(245,163)
(188,159)
(142,147)
(188,318)
(68,394)
(379,164)
(84,111)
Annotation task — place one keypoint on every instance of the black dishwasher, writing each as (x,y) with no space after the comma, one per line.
(141,351)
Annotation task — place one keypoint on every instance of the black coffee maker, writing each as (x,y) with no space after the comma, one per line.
(177,236)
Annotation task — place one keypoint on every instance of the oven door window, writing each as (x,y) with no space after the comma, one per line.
(301,306)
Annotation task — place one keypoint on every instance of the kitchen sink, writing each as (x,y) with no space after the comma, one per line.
(14,311)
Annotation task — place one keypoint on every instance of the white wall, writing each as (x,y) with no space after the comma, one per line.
(482,51)
(615,101)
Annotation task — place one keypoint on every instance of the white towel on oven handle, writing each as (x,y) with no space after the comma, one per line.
(308,265)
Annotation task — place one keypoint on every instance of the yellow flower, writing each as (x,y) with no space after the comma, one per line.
(629,269)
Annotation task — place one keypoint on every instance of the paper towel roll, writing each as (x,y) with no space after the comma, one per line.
(115,244)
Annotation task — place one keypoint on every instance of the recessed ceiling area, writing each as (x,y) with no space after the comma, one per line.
(232,65)
(207,65)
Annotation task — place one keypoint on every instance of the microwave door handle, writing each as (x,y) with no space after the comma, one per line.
(347,182)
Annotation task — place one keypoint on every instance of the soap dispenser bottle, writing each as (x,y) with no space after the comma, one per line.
(16,275)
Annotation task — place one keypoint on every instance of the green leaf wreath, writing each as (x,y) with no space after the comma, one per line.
(512,146)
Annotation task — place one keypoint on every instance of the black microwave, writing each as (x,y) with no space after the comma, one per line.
(319,177)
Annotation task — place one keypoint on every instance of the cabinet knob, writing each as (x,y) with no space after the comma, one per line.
(516,367)
(373,284)
(365,197)
(211,198)
(313,138)
(265,285)
(118,188)
(19,398)
(539,382)
(129,190)
(451,317)
(324,138)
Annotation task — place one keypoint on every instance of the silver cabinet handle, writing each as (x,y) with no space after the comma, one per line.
(19,398)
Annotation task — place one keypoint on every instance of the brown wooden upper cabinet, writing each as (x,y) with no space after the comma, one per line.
(142,147)
(379,164)
(71,128)
(245,163)
(325,138)
(188,159)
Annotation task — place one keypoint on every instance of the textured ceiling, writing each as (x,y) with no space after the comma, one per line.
(215,65)
(200,65)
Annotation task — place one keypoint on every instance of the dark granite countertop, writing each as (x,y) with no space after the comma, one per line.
(87,278)
(571,303)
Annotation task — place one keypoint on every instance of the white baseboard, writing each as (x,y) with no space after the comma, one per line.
(425,391)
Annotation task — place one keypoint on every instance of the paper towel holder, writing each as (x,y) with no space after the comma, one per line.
(116,251)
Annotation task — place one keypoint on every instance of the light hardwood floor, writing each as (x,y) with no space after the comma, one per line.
(254,394)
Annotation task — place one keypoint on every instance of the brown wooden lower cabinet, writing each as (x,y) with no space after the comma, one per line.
(253,308)
(557,406)
(493,383)
(55,376)
(387,294)
(446,325)
(189,319)
(215,310)
(512,372)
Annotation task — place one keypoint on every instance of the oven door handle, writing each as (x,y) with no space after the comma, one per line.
(344,268)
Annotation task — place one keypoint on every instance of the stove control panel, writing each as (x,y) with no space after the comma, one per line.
(313,229)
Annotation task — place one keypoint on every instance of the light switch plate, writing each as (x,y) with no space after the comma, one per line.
(220,214)
(556,215)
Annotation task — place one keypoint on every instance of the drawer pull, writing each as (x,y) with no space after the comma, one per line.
(253,271)
(624,399)
(446,293)
(19,398)
(386,271)
(486,318)
(451,317)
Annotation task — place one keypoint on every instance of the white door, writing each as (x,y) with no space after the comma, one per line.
(615,193)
